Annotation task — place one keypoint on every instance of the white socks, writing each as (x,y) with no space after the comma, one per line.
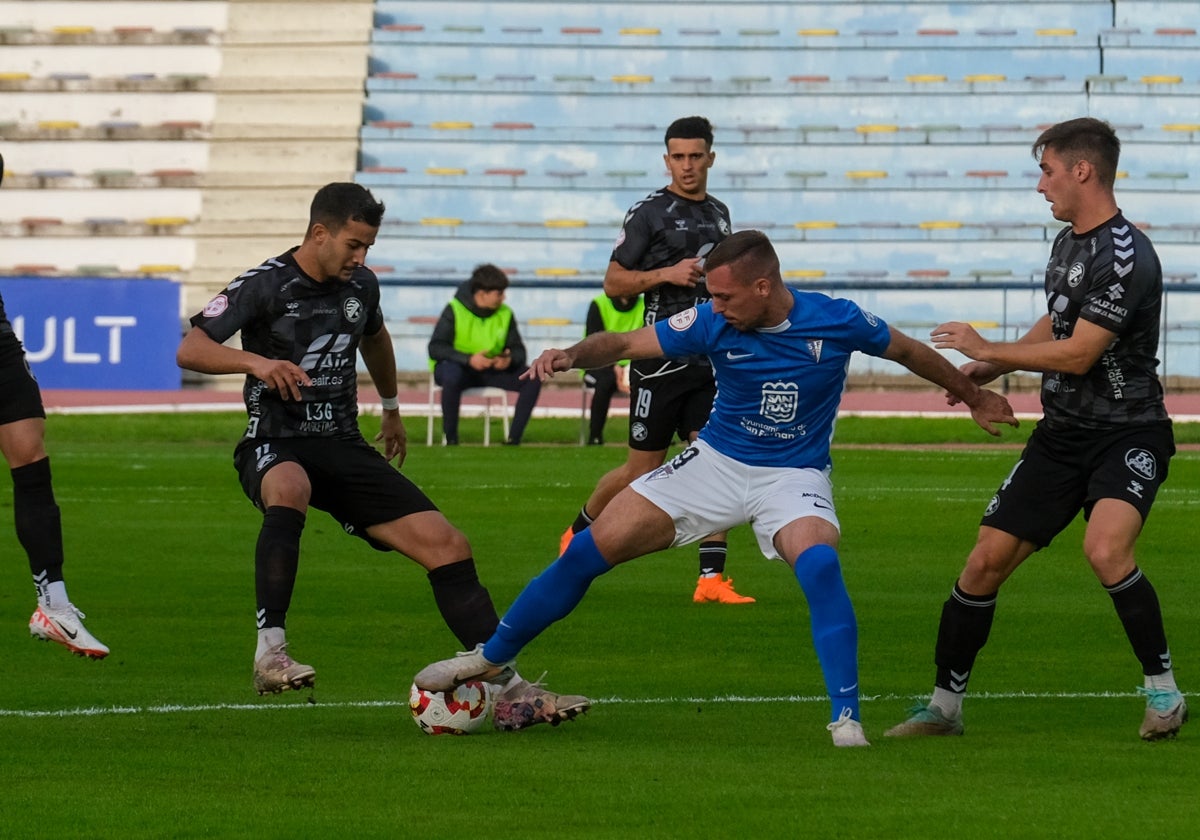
(947,702)
(269,637)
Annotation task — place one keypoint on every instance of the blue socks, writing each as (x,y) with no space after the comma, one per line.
(547,598)
(834,628)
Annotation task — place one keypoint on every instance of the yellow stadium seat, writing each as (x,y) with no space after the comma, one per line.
(866,174)
(925,78)
(642,31)
(451,125)
(804,273)
(445,170)
(440,221)
(815,225)
(552,271)
(633,79)
(817,33)
(565,223)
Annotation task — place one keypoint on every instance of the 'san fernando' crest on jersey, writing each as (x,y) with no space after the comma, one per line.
(780,401)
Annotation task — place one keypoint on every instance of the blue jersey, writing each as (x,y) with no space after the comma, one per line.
(778,389)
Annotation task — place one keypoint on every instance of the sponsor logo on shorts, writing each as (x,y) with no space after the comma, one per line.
(680,321)
(1135,488)
(1142,463)
(638,431)
(352,309)
(215,306)
(993,505)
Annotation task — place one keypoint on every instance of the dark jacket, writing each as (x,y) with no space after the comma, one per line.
(441,343)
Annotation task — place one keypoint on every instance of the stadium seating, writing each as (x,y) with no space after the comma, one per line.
(865,137)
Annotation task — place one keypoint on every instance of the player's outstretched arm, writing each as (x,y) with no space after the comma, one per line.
(987,407)
(597,350)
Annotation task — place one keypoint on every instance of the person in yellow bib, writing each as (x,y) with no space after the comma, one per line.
(609,314)
(476,343)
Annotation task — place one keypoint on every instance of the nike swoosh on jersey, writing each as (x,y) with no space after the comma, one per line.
(731,356)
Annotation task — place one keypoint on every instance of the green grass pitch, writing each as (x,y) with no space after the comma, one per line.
(708,721)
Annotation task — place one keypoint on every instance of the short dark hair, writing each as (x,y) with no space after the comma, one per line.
(338,203)
(690,128)
(486,278)
(1085,138)
(751,250)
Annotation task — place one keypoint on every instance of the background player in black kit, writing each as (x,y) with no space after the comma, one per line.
(304,316)
(660,254)
(1103,444)
(35,512)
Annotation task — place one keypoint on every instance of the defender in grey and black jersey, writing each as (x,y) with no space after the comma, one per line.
(304,317)
(1104,444)
(659,254)
(283,313)
(36,515)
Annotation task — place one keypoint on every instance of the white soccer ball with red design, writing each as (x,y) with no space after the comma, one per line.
(462,711)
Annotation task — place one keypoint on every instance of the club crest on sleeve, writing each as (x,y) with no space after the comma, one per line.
(680,321)
(215,306)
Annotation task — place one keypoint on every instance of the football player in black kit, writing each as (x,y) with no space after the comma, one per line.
(35,512)
(659,254)
(1103,444)
(303,317)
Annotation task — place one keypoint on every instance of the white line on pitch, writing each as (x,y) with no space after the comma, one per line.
(98,711)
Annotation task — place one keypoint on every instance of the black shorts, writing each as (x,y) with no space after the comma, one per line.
(350,480)
(20,397)
(665,405)
(1063,472)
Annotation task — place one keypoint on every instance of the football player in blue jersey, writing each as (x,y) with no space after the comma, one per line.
(780,358)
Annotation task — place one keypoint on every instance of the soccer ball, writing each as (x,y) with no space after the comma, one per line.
(458,712)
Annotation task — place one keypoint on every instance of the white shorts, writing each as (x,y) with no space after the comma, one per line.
(705,492)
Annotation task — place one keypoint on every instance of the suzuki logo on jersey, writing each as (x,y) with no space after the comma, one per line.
(327,352)
(1115,292)
(780,401)
(352,309)
(1142,462)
